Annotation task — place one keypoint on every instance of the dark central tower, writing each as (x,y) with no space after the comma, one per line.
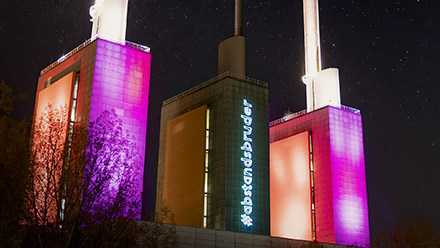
(232,51)
(213,167)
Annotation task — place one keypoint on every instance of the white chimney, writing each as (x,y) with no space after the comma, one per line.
(322,87)
(109,19)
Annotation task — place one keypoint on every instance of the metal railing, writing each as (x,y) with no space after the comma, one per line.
(356,111)
(303,112)
(137,46)
(84,44)
(287,117)
(213,80)
(65,56)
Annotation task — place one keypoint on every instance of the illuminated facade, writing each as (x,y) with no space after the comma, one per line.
(317,165)
(318,185)
(101,75)
(290,191)
(213,168)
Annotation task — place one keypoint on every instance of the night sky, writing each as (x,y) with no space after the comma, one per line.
(387,53)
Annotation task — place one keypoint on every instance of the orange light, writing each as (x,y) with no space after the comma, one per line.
(290,192)
(57,94)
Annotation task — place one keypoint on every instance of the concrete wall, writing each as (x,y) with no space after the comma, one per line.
(191,237)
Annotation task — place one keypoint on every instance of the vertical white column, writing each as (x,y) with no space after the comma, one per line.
(95,12)
(205,188)
(312,49)
(311,37)
(322,86)
(109,19)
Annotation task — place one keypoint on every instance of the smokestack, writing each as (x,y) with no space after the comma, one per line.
(231,52)
(311,37)
(109,19)
(238,18)
(322,86)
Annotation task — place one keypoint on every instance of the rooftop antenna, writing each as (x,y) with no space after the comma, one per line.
(231,52)
(322,86)
(238,18)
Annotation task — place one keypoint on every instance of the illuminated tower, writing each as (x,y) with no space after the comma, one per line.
(317,166)
(213,168)
(322,86)
(105,72)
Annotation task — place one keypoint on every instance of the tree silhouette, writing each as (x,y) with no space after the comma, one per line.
(159,234)
(6,98)
(84,182)
(74,186)
(14,168)
(417,234)
(47,159)
(110,175)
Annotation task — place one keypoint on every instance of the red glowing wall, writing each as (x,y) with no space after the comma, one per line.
(57,94)
(290,192)
(48,160)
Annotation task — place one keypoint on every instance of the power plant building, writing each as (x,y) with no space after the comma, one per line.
(213,167)
(221,164)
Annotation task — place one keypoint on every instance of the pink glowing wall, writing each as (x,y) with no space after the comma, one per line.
(121,81)
(341,208)
(348,177)
(290,194)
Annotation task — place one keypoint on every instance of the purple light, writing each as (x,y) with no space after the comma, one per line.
(350,204)
(121,82)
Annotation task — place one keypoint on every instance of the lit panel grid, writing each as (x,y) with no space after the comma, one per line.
(235,173)
(348,177)
(290,192)
(121,81)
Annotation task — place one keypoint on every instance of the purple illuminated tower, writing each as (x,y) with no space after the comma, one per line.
(105,72)
(318,154)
